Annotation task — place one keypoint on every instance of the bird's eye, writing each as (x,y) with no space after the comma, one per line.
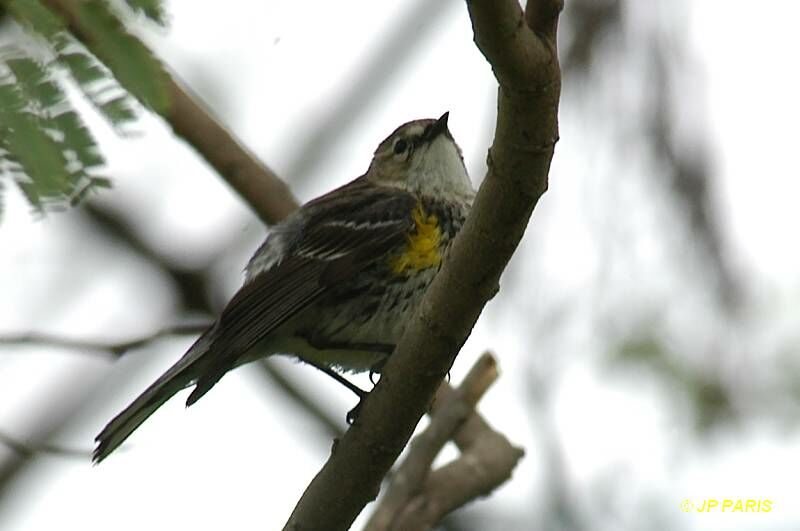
(400,146)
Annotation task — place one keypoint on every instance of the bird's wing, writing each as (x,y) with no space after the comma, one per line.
(344,232)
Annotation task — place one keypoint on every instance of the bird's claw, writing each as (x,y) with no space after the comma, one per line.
(352,415)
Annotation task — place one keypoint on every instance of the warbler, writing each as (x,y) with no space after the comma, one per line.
(334,283)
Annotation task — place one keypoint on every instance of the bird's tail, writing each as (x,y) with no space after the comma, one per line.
(177,378)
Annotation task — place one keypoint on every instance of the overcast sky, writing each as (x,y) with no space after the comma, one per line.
(241,457)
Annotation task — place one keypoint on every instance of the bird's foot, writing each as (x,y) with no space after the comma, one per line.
(352,415)
(375,371)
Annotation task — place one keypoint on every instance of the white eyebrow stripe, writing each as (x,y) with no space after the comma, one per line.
(414,130)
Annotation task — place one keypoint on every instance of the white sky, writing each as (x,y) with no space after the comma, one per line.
(241,457)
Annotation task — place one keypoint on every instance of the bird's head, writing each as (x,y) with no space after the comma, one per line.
(421,156)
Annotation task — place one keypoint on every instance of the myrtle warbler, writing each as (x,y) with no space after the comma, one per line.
(335,283)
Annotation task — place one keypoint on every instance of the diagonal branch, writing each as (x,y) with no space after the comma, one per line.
(523,55)
(258,185)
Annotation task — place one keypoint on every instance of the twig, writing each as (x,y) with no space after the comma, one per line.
(487,458)
(477,381)
(28,450)
(522,51)
(477,472)
(258,185)
(419,499)
(116,349)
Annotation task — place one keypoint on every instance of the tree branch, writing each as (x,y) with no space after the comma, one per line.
(525,63)
(258,185)
(115,349)
(452,407)
(418,498)
(481,469)
(236,164)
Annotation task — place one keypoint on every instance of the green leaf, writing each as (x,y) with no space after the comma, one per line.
(152,9)
(35,17)
(77,139)
(90,76)
(33,80)
(92,185)
(118,110)
(83,68)
(94,81)
(37,154)
(44,145)
(101,182)
(47,151)
(129,60)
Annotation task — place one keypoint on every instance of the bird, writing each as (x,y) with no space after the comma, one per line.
(336,281)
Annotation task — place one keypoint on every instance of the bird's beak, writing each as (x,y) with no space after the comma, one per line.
(439,127)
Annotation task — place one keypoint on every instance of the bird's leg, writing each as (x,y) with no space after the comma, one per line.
(360,393)
(374,370)
(380,348)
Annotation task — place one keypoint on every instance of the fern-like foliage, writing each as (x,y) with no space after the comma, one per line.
(45,147)
(152,9)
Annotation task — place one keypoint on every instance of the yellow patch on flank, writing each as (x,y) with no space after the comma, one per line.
(422,251)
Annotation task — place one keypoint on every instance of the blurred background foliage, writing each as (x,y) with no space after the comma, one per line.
(45,147)
(665,309)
